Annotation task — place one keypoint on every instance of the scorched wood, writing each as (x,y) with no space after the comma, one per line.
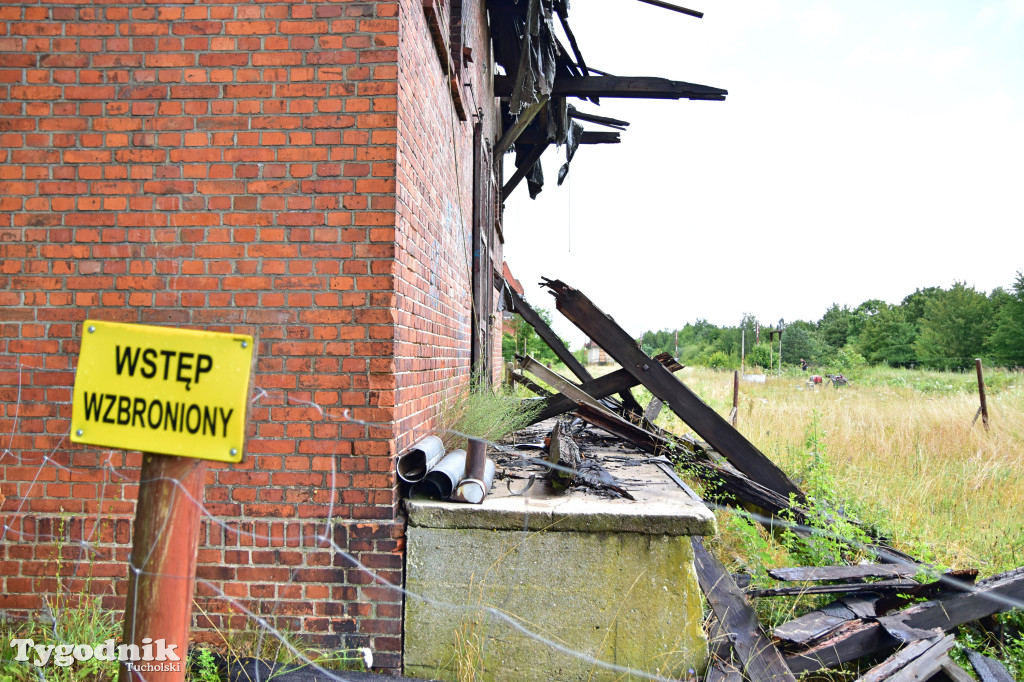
(680,399)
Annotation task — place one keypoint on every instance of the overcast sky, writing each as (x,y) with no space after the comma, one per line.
(865,149)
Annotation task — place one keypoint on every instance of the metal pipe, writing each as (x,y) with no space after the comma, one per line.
(479,475)
(442,480)
(420,459)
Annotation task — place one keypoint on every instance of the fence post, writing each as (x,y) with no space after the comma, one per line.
(162,570)
(983,410)
(735,395)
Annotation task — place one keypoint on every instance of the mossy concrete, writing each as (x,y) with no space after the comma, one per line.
(533,593)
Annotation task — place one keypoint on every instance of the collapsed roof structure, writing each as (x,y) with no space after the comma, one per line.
(541,74)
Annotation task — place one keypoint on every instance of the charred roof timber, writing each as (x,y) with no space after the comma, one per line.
(540,73)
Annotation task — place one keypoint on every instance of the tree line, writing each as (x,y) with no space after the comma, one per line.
(934,328)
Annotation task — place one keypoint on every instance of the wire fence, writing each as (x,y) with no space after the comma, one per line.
(57,465)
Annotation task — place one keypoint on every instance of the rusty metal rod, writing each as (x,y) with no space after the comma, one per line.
(162,570)
(479,474)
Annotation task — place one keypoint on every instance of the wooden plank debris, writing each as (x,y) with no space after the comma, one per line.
(882,586)
(861,637)
(523,169)
(680,399)
(674,8)
(905,656)
(644,87)
(988,669)
(812,573)
(760,660)
(546,334)
(722,664)
(513,133)
(599,388)
(564,453)
(599,120)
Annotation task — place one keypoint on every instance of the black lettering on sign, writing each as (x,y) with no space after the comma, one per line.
(125,359)
(225,418)
(149,371)
(93,402)
(184,364)
(204,363)
(110,405)
(155,415)
(168,354)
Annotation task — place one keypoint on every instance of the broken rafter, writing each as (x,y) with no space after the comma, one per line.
(643,87)
(759,658)
(521,171)
(675,8)
(694,412)
(861,637)
(600,120)
(546,334)
(513,133)
(601,387)
(589,137)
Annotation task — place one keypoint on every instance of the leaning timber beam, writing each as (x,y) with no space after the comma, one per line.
(760,660)
(601,387)
(588,137)
(522,170)
(708,424)
(512,134)
(863,637)
(641,87)
(547,335)
(600,120)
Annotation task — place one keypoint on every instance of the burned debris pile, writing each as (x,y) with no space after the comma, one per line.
(897,605)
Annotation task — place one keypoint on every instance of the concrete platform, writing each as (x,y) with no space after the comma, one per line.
(608,579)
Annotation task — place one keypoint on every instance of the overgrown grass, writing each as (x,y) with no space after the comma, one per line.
(484,413)
(899,450)
(909,459)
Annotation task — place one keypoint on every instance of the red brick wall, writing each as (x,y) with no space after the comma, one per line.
(434,225)
(279,169)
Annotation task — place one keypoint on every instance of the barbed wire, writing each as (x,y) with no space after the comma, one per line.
(89,548)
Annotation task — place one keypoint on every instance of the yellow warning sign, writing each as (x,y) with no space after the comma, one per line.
(162,390)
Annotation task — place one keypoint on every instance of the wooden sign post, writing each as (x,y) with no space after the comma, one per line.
(182,394)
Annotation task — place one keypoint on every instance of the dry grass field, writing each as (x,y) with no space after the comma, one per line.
(901,452)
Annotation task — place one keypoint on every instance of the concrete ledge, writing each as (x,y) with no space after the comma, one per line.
(661,508)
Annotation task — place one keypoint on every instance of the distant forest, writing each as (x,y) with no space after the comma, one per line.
(933,328)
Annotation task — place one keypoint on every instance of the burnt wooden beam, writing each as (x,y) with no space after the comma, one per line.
(523,169)
(988,669)
(557,381)
(708,424)
(674,8)
(904,657)
(517,378)
(601,387)
(546,334)
(847,572)
(881,586)
(641,87)
(588,137)
(862,637)
(600,120)
(513,133)
(760,660)
(722,666)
